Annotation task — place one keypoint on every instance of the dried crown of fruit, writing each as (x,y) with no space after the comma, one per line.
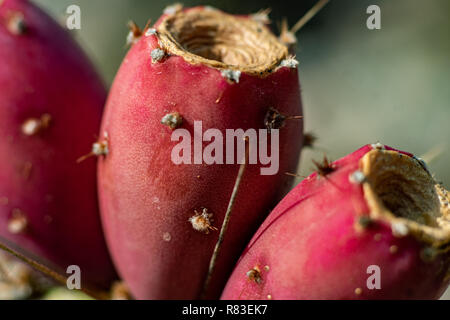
(180,32)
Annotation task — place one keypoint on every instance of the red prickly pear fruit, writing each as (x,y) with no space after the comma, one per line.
(160,218)
(375,226)
(51,105)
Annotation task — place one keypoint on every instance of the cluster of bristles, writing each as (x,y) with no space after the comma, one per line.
(202,221)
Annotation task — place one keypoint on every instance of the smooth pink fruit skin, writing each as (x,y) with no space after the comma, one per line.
(145,196)
(313,251)
(44,71)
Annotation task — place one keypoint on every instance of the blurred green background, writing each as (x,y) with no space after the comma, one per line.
(359,86)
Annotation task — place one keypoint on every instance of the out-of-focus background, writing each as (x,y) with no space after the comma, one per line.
(359,86)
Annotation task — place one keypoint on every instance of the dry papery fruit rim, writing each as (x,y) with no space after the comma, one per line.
(401,192)
(222,41)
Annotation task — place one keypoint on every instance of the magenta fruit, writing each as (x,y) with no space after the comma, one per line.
(372,225)
(51,105)
(198,64)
